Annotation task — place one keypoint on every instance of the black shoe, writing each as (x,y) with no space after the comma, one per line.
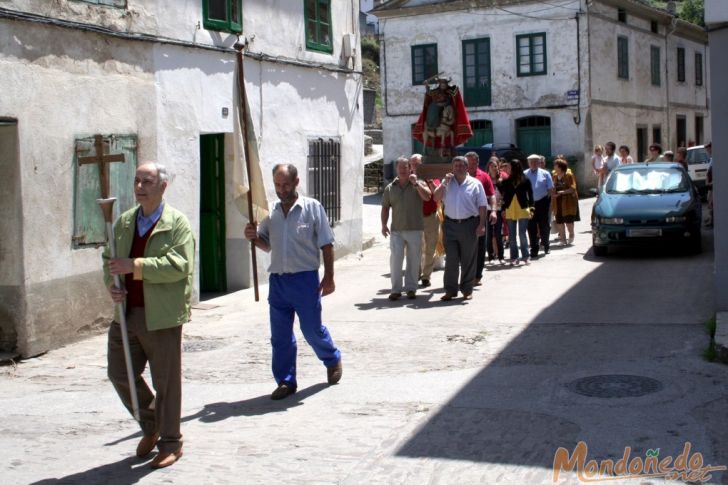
(394,296)
(425,283)
(282,391)
(546,251)
(478,281)
(411,295)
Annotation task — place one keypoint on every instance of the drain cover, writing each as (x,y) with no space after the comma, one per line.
(614,385)
(201,345)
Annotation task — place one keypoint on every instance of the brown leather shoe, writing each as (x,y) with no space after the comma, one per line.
(163,460)
(334,373)
(394,296)
(467,296)
(147,444)
(282,391)
(447,297)
(411,295)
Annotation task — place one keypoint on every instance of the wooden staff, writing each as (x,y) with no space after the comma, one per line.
(244,120)
(107,207)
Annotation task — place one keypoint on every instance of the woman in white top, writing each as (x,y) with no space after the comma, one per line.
(624,157)
(597,164)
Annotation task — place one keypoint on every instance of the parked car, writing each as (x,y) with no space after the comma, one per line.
(647,205)
(698,165)
(508,151)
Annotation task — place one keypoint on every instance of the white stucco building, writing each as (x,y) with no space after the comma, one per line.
(156,79)
(554,78)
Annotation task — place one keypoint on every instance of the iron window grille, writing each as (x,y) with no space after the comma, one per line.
(324,175)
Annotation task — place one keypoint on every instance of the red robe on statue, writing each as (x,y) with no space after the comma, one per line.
(461,126)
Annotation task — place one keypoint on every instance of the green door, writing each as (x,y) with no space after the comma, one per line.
(476,72)
(213,276)
(533,135)
(482,133)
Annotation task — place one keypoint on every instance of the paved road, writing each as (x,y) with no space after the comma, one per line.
(483,391)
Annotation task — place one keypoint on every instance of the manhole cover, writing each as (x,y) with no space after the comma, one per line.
(201,345)
(615,385)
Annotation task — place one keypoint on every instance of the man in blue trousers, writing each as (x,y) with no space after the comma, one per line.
(294,232)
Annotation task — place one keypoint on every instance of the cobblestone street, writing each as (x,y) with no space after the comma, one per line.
(482,391)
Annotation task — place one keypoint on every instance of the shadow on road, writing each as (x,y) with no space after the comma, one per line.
(220,411)
(631,315)
(129,470)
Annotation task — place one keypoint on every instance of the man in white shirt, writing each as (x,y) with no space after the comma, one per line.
(465,206)
(611,160)
(295,231)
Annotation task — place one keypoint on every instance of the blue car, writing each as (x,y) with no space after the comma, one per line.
(647,204)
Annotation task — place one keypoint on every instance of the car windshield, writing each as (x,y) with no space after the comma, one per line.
(697,155)
(648,180)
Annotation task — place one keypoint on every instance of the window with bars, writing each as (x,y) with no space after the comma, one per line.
(698,69)
(318,25)
(324,175)
(655,65)
(622,57)
(531,54)
(223,15)
(424,62)
(681,64)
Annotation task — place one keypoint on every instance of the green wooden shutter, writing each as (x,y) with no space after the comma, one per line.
(534,135)
(89,228)
(476,72)
(213,274)
(655,65)
(622,57)
(482,133)
(424,62)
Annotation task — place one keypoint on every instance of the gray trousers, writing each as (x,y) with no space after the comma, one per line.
(461,245)
(163,350)
(403,243)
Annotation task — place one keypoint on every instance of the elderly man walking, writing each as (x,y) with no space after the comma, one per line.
(539,225)
(158,249)
(465,211)
(431,223)
(296,232)
(404,196)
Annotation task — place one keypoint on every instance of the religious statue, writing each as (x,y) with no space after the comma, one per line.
(444,121)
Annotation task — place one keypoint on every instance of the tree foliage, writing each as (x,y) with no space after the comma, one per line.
(693,11)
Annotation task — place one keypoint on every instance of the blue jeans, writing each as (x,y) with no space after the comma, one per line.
(522,225)
(297,293)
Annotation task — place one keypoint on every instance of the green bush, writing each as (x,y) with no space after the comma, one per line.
(370,48)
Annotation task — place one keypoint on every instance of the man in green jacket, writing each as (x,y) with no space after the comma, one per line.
(156,249)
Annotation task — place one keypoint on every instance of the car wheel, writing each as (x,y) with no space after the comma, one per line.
(600,251)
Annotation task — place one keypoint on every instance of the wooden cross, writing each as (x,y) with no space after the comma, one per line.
(103,163)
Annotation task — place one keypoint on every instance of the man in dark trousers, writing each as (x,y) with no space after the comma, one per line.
(296,232)
(158,250)
(539,225)
(465,211)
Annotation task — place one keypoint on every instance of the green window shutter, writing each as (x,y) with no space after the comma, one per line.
(531,54)
(681,64)
(424,62)
(698,69)
(89,228)
(476,72)
(655,65)
(622,57)
(482,133)
(533,135)
(317,15)
(223,15)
